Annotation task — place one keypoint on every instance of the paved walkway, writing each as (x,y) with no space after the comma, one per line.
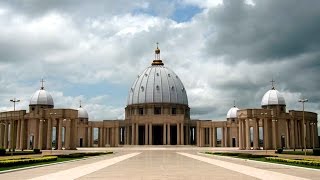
(163,163)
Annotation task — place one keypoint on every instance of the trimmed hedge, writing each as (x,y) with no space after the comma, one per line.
(296,152)
(20,153)
(2,152)
(37,151)
(308,162)
(23,161)
(240,155)
(279,150)
(80,155)
(316,151)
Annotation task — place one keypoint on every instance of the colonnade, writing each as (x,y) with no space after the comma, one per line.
(207,136)
(107,136)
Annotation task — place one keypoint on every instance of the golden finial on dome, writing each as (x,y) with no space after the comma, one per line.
(157,51)
(157,60)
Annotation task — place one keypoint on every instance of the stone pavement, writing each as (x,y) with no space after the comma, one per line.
(152,162)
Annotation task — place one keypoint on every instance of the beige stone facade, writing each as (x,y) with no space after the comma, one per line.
(158,124)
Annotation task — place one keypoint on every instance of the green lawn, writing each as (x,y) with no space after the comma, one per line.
(235,155)
(60,159)
(35,164)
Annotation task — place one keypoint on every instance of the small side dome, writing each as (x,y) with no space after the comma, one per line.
(232,113)
(82,113)
(273,97)
(41,97)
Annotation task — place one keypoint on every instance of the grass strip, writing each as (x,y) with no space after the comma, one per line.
(307,163)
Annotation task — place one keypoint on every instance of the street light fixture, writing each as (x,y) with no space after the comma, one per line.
(304,125)
(14,100)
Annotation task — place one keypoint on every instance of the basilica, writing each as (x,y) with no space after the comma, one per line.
(158,113)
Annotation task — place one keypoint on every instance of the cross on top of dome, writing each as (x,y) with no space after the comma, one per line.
(157,60)
(272,83)
(42,81)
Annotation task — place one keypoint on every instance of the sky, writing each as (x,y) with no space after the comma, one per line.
(222,51)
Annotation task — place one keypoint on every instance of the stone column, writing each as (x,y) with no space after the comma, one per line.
(112,141)
(146,141)
(108,136)
(198,134)
(178,134)
(137,134)
(18,134)
(292,134)
(116,144)
(36,134)
(67,135)
(60,135)
(274,135)
(104,136)
(248,143)
(40,134)
(150,134)
(100,136)
(226,137)
(164,134)
(6,131)
(210,136)
(266,141)
(89,136)
(127,135)
(287,134)
(214,137)
(308,141)
(187,134)
(203,136)
(182,134)
(255,134)
(49,134)
(240,134)
(169,135)
(1,135)
(132,134)
(222,137)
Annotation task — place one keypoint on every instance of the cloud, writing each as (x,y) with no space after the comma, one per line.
(268,31)
(228,51)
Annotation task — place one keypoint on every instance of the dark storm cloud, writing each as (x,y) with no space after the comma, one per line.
(269,31)
(81,8)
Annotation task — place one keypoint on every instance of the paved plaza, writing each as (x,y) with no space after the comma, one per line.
(162,163)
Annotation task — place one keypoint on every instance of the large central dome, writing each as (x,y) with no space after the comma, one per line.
(157,84)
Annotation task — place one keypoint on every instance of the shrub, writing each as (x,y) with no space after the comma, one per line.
(279,150)
(294,161)
(23,161)
(36,151)
(74,155)
(316,151)
(2,152)
(245,155)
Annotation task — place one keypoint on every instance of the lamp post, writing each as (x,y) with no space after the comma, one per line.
(304,125)
(14,100)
